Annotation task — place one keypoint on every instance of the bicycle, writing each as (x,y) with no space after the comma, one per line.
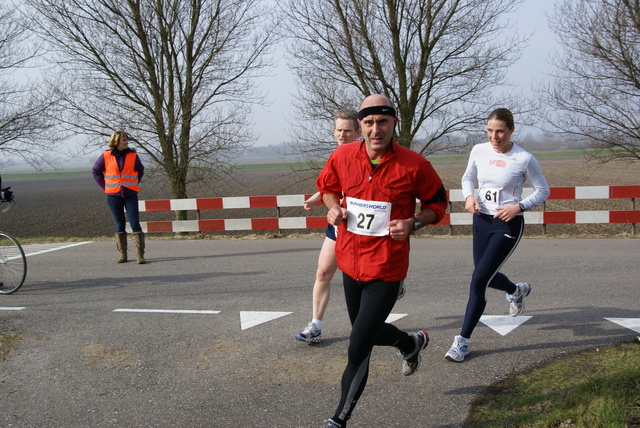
(13,262)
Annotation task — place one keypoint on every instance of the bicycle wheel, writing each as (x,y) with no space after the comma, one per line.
(13,264)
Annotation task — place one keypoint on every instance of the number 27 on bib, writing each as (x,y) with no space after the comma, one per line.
(368,218)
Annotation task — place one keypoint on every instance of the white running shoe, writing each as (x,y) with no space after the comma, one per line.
(330,423)
(411,361)
(459,350)
(516,300)
(311,334)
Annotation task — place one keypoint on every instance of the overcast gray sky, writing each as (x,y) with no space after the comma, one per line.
(272,122)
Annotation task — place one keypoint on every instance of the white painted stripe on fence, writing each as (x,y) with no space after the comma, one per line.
(592,217)
(459,219)
(185,226)
(455,195)
(236,202)
(237,224)
(184,204)
(292,223)
(290,200)
(536,217)
(592,192)
(168,311)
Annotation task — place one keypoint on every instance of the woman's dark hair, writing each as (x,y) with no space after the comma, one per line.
(504,115)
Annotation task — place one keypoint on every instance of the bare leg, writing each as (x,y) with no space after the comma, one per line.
(326,269)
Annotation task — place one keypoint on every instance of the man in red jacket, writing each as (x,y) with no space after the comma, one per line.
(379,182)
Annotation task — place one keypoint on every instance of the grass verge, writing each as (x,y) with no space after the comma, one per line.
(597,388)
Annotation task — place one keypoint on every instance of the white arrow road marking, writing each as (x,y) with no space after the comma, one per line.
(630,323)
(503,324)
(394,317)
(167,311)
(250,319)
(12,309)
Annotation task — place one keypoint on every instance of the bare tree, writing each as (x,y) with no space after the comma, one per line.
(594,93)
(175,74)
(440,62)
(24,127)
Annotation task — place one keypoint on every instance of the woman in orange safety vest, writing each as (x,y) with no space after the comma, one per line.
(119,172)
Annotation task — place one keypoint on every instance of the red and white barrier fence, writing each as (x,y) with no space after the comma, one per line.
(450,219)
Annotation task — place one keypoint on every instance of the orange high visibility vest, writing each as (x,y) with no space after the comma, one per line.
(114,178)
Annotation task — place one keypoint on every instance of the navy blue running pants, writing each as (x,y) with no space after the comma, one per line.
(494,240)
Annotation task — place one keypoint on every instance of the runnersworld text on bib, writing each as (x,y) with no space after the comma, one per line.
(369,218)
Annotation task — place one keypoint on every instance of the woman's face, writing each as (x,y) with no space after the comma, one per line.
(499,135)
(123,143)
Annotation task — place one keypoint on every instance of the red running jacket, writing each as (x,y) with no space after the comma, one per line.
(401,177)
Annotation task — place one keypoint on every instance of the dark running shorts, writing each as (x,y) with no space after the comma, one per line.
(331,232)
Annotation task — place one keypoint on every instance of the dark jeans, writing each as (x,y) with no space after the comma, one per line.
(118,205)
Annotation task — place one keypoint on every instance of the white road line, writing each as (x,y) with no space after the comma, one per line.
(35,249)
(167,311)
(12,309)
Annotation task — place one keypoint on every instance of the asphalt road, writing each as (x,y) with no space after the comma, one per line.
(93,353)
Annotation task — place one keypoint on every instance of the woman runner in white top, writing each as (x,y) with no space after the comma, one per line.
(501,168)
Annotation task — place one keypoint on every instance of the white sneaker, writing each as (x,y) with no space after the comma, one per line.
(311,334)
(516,305)
(459,350)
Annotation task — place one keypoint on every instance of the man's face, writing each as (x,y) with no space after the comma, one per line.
(377,130)
(345,131)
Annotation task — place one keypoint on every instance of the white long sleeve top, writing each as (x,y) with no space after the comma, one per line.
(501,178)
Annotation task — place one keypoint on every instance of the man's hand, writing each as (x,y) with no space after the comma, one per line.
(336,215)
(400,229)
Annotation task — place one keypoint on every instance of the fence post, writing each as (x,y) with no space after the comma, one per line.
(278,216)
(544,225)
(450,211)
(633,207)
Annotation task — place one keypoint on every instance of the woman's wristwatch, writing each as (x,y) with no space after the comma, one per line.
(522,208)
